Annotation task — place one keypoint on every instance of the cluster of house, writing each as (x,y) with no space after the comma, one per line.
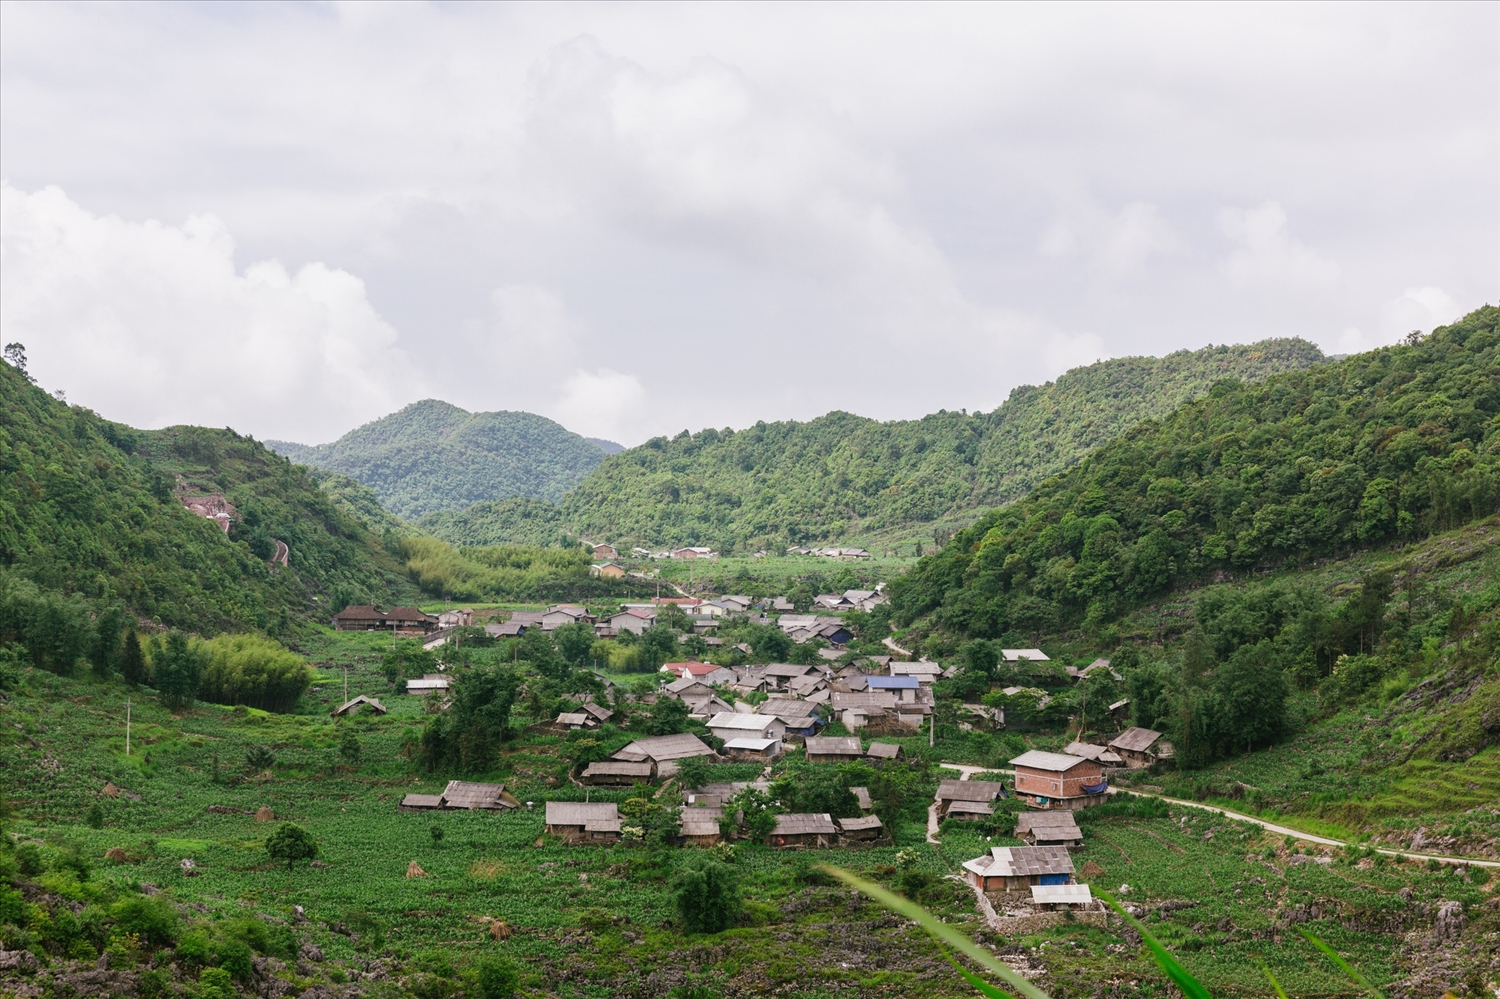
(608,553)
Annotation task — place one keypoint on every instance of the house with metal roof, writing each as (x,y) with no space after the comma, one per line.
(700,826)
(1049,829)
(884,750)
(467,794)
(981,791)
(617,773)
(1058,780)
(803,831)
(1064,896)
(1089,751)
(352,706)
(583,822)
(1140,747)
(866,830)
(429,683)
(1030,655)
(664,749)
(834,749)
(750,749)
(1016,868)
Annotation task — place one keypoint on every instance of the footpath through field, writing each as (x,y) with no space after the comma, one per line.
(966,771)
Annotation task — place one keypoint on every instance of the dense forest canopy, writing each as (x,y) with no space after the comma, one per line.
(777,484)
(435,456)
(1380,447)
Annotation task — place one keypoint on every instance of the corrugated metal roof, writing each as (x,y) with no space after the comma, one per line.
(747,722)
(1027,861)
(422,801)
(804,824)
(754,745)
(1013,655)
(862,795)
(464,794)
(834,745)
(616,768)
(665,747)
(969,790)
(863,822)
(583,813)
(1136,740)
(884,750)
(1054,762)
(1049,825)
(574,718)
(892,682)
(971,808)
(1054,894)
(881,700)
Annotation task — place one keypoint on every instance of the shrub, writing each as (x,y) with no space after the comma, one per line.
(493,978)
(291,843)
(707,894)
(95,817)
(215,983)
(349,748)
(29,860)
(152,919)
(258,758)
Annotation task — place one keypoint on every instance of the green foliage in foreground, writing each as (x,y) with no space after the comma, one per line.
(778,484)
(434,456)
(1394,444)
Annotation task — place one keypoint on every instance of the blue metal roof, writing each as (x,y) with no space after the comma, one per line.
(892,682)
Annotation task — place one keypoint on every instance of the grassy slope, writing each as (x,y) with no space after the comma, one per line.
(434,456)
(843,476)
(87,506)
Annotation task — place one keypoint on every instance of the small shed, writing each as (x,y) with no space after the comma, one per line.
(884,750)
(863,831)
(353,705)
(833,748)
(803,831)
(1138,747)
(982,791)
(582,822)
(862,795)
(1089,751)
(700,826)
(1049,829)
(728,725)
(752,750)
(969,811)
(574,720)
(421,802)
(601,714)
(614,773)
(467,794)
(1016,868)
(430,683)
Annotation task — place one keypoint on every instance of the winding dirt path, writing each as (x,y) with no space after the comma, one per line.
(965,770)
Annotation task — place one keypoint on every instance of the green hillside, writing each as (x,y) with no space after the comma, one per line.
(842,476)
(92,508)
(434,456)
(1381,447)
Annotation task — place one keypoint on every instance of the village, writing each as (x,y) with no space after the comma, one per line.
(838,710)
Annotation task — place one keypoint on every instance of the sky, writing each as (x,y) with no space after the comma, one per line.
(636,219)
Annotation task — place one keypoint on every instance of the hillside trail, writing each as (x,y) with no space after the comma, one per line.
(1270,827)
(890,643)
(964,773)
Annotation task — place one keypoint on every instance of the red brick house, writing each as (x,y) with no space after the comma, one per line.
(1057,780)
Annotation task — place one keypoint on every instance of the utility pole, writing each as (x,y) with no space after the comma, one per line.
(127,728)
(346,684)
(932,728)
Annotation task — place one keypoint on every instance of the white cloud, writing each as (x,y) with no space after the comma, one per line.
(1118,244)
(602,403)
(151,324)
(1417,309)
(1268,254)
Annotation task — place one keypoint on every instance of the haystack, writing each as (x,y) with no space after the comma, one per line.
(110,791)
(414,870)
(1091,870)
(264,814)
(115,854)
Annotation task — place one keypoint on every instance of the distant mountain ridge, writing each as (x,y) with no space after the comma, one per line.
(841,476)
(433,456)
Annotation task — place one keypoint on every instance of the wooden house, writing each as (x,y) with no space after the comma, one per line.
(867,830)
(981,791)
(471,795)
(352,706)
(1140,747)
(752,749)
(803,831)
(402,620)
(1017,868)
(601,714)
(729,725)
(856,709)
(1057,780)
(575,720)
(884,751)
(700,825)
(969,811)
(617,773)
(799,716)
(581,822)
(420,802)
(664,751)
(1049,829)
(834,749)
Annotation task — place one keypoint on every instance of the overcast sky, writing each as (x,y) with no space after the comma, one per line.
(294,218)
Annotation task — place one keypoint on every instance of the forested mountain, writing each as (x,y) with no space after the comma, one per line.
(94,508)
(776,484)
(434,456)
(1381,447)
